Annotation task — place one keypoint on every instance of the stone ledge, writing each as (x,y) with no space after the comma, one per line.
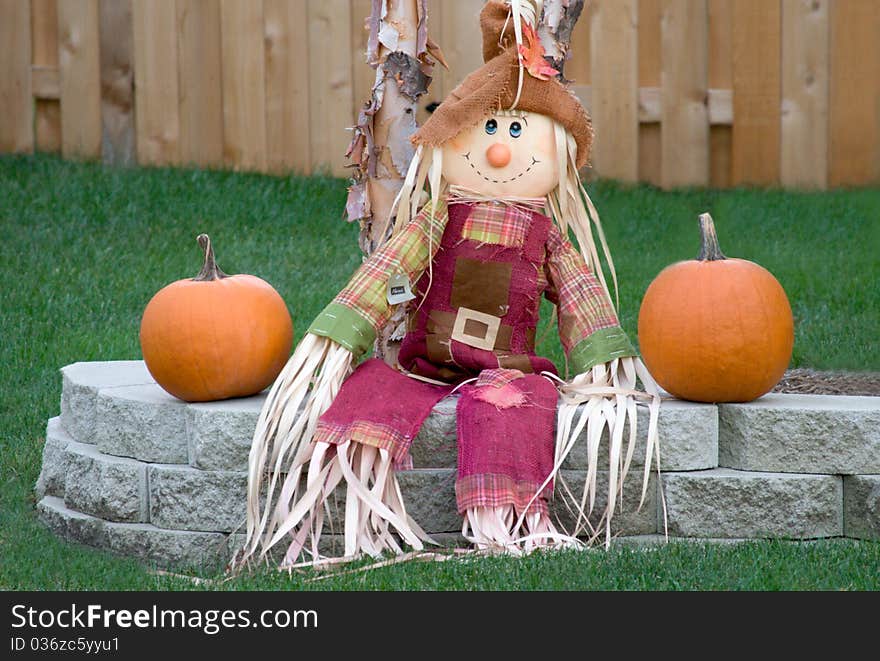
(861,506)
(688,434)
(788,433)
(186,498)
(141,540)
(101,485)
(80,383)
(195,495)
(219,434)
(53,472)
(628,518)
(143,422)
(436,443)
(429,496)
(657,540)
(728,503)
(89,481)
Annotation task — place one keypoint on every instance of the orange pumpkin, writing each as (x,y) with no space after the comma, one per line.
(215,336)
(716,329)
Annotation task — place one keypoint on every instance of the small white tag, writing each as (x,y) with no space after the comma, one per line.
(398,289)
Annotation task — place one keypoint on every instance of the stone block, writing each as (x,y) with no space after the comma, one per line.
(651,542)
(71,525)
(220,433)
(185,498)
(429,496)
(628,519)
(861,506)
(436,445)
(108,487)
(80,383)
(53,473)
(728,503)
(789,433)
(143,422)
(688,433)
(428,493)
(168,548)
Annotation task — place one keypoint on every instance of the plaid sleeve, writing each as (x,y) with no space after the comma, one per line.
(588,326)
(358,312)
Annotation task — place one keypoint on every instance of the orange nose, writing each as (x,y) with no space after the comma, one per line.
(498,155)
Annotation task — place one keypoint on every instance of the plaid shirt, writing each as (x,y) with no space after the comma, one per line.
(588,326)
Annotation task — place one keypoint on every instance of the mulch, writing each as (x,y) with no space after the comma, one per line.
(815,382)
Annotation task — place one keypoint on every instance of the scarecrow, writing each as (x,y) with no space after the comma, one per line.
(480,233)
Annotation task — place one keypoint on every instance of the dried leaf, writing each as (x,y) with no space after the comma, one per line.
(532,55)
(422,35)
(434,51)
(357,205)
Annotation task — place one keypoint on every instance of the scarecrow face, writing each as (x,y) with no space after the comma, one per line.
(505,155)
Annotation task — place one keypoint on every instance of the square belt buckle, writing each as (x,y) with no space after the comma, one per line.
(476,329)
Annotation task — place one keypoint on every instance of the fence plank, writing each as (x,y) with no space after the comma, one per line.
(614,76)
(244,84)
(650,76)
(800,79)
(363,75)
(462,39)
(45,83)
(157,119)
(577,69)
(721,78)
(80,68)
(44,53)
(756,91)
(720,104)
(16,120)
(437,90)
(855,87)
(685,93)
(330,83)
(804,93)
(287,86)
(117,83)
(200,81)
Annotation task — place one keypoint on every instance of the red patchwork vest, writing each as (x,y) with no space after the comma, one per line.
(477,307)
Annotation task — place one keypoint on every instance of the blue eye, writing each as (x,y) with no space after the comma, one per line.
(515,130)
(491,126)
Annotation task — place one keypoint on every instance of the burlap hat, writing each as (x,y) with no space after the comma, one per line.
(493,87)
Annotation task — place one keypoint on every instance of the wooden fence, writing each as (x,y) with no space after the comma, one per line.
(682,92)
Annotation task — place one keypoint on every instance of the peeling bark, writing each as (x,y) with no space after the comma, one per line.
(407,71)
(555,27)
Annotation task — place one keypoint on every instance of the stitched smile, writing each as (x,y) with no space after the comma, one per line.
(499,181)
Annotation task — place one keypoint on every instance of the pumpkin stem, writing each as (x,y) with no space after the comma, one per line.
(710,251)
(210,270)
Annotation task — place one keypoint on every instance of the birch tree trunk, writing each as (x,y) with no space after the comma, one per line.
(397,48)
(380,148)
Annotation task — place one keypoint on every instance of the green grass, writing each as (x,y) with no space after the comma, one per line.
(84,248)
